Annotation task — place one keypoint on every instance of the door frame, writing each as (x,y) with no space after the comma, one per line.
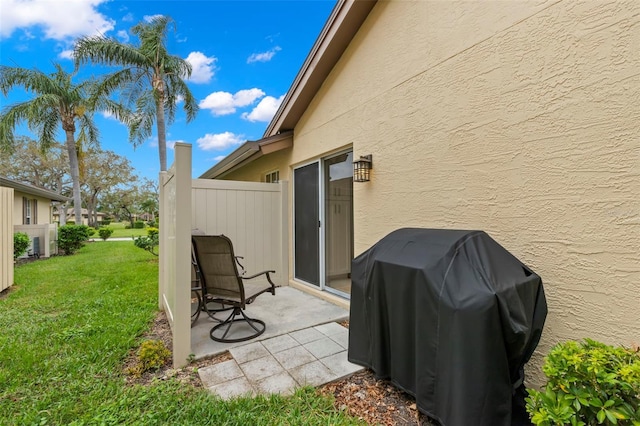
(322,257)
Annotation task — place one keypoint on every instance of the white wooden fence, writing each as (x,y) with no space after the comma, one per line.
(252,214)
(6,238)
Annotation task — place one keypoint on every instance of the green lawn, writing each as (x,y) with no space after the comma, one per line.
(66,328)
(119,231)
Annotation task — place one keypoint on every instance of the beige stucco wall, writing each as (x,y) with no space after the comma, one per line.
(518,118)
(44,208)
(256,170)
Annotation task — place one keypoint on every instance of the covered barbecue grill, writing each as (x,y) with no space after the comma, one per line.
(448,316)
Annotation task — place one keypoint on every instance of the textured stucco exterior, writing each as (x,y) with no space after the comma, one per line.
(257,170)
(43,208)
(518,118)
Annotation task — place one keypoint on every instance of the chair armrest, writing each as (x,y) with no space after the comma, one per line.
(273,286)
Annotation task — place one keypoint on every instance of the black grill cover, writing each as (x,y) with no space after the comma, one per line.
(448,316)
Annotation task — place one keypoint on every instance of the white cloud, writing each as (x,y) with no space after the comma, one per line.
(265,110)
(66,54)
(202,67)
(149,18)
(264,56)
(59,22)
(123,36)
(219,141)
(219,158)
(128,17)
(224,103)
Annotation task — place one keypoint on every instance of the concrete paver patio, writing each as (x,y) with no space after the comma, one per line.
(311,356)
(303,345)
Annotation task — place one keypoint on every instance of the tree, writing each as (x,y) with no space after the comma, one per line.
(104,170)
(150,78)
(123,202)
(45,169)
(56,101)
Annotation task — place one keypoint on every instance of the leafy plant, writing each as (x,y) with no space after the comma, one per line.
(588,383)
(21,243)
(105,233)
(148,243)
(72,237)
(152,355)
(138,224)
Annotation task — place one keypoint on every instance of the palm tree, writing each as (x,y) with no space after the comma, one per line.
(57,101)
(150,78)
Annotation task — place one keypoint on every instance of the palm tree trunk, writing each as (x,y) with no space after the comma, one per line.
(75,176)
(162,137)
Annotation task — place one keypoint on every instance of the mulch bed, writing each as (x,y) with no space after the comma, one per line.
(361,395)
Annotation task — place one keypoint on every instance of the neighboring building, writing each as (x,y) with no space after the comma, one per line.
(71,216)
(521,119)
(33,214)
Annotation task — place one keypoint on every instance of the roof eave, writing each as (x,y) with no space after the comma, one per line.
(33,190)
(341,26)
(249,152)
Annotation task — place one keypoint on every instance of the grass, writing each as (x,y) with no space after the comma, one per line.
(69,323)
(119,231)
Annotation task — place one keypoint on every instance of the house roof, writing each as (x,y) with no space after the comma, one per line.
(344,22)
(32,190)
(248,152)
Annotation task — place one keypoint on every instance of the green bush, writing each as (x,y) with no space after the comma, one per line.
(588,383)
(138,224)
(106,222)
(152,355)
(105,233)
(72,237)
(150,242)
(21,244)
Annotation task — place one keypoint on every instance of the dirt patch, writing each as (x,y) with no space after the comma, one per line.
(361,395)
(160,330)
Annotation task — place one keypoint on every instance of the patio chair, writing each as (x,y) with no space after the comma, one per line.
(221,283)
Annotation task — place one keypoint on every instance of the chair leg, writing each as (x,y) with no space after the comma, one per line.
(257,325)
(196,306)
(212,312)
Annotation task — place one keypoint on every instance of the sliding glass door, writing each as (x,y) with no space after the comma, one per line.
(323,223)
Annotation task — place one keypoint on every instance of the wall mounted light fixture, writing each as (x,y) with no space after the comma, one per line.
(362,168)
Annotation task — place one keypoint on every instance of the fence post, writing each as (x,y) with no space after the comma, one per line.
(182,255)
(6,237)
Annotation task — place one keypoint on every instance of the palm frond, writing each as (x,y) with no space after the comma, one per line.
(91,134)
(32,80)
(105,50)
(190,107)
(47,129)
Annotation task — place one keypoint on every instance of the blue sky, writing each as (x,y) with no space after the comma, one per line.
(244,55)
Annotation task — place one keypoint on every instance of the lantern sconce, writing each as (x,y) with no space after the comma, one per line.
(362,168)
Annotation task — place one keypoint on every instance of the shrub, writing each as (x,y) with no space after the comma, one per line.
(588,383)
(72,237)
(105,233)
(21,244)
(138,224)
(148,243)
(152,355)
(106,222)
